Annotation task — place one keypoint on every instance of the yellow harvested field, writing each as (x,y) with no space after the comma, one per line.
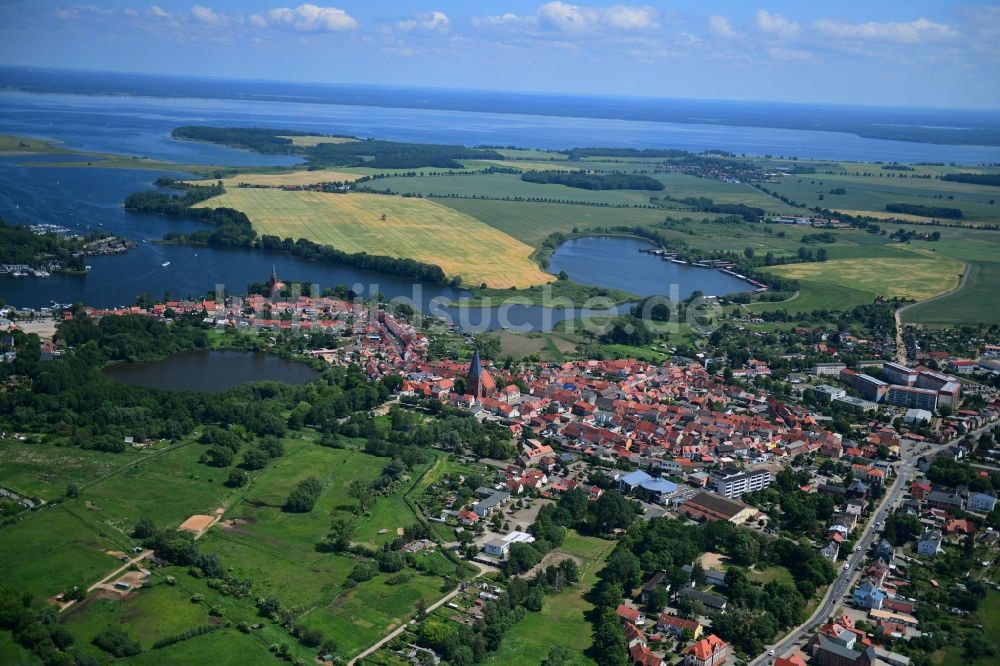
(529,165)
(884,215)
(916,275)
(316,139)
(290,178)
(393,226)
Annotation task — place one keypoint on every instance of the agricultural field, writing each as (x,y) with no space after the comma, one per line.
(869,194)
(395,226)
(896,272)
(282,179)
(311,141)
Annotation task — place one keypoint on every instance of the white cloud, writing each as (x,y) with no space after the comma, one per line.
(794,55)
(427,21)
(207,16)
(80,11)
(311,18)
(159,12)
(257,20)
(625,17)
(564,17)
(914,32)
(721,26)
(776,24)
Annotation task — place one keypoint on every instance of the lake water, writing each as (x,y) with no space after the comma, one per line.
(141,126)
(212,371)
(617,263)
(88,199)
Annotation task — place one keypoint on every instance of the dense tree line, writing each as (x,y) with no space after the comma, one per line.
(707,205)
(37,629)
(373,153)
(925,211)
(974,178)
(593,181)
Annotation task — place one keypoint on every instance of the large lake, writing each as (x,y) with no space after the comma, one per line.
(87,199)
(617,263)
(210,371)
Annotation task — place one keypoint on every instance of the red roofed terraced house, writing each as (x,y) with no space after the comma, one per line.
(479,382)
(709,651)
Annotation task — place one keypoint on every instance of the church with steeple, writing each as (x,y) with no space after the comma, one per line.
(274,285)
(479,383)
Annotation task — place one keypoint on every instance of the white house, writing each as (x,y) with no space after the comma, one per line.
(930,542)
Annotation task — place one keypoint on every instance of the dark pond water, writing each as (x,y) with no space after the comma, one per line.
(210,371)
(617,263)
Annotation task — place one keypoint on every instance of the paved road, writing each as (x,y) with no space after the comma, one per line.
(845,578)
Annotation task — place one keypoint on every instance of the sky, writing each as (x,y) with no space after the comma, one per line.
(932,53)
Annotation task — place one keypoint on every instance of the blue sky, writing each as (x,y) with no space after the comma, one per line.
(883,52)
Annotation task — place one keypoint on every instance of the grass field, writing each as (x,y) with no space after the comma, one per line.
(290,178)
(562,620)
(897,273)
(44,471)
(395,226)
(315,140)
(869,195)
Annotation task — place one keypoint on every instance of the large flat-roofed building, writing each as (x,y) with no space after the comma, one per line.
(733,482)
(711,507)
(831,392)
(821,369)
(871,388)
(910,396)
(899,374)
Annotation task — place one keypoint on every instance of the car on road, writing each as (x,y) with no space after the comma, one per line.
(847,567)
(770,653)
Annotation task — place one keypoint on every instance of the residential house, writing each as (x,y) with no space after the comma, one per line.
(629,614)
(982,501)
(712,601)
(676,626)
(930,542)
(709,651)
(640,655)
(867,595)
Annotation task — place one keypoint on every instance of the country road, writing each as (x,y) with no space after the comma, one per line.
(845,578)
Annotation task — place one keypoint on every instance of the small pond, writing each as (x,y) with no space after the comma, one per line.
(210,371)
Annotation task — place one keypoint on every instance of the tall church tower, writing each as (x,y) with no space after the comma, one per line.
(479,383)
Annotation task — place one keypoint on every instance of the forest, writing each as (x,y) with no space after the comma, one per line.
(369,153)
(974,178)
(593,181)
(925,211)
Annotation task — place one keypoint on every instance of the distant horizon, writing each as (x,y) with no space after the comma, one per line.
(894,53)
(496,91)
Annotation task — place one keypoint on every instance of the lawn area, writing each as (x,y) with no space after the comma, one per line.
(222,648)
(395,226)
(365,613)
(168,488)
(152,614)
(55,548)
(562,620)
(777,573)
